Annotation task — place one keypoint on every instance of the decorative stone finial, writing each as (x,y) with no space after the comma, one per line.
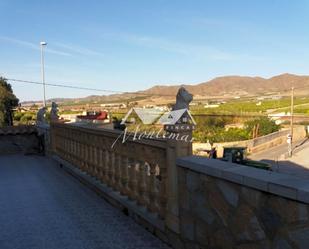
(54,112)
(183,99)
(40,116)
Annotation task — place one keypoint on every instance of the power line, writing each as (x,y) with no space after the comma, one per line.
(120,92)
(65,86)
(85,88)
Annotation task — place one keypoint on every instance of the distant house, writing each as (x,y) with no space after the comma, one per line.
(230,126)
(211,105)
(114,105)
(270,97)
(94,117)
(279,118)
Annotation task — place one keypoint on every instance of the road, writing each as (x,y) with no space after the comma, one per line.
(298,164)
(277,152)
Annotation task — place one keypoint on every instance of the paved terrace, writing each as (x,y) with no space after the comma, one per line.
(43,207)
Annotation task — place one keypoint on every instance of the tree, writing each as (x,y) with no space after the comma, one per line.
(261,126)
(7,102)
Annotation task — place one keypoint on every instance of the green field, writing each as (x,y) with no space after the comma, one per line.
(242,107)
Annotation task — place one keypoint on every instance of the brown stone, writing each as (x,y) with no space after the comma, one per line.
(193,245)
(182,175)
(187,225)
(202,232)
(184,200)
(282,243)
(251,196)
(219,205)
(300,237)
(205,181)
(175,240)
(222,239)
(229,192)
(254,245)
(192,181)
(201,209)
(245,225)
(288,210)
(302,212)
(270,220)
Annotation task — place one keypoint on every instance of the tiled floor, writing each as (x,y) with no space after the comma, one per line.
(41,207)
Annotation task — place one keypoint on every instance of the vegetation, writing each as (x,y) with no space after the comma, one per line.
(213,129)
(243,107)
(24,118)
(8,101)
(261,127)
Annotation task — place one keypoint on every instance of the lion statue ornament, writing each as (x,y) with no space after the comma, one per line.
(183,99)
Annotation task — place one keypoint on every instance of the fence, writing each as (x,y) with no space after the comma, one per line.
(136,169)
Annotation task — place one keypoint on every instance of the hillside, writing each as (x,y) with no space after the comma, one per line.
(241,86)
(220,87)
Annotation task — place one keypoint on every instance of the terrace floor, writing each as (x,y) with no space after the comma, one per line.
(43,207)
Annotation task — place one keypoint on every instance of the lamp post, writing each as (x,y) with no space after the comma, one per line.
(42,44)
(290,139)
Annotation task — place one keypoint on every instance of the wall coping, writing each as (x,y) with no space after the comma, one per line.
(153,142)
(18,130)
(280,184)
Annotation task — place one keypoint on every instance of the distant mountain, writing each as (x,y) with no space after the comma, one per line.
(221,87)
(240,86)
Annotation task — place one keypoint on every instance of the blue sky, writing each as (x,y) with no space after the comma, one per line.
(133,45)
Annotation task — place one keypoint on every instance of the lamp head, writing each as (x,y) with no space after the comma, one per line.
(43,43)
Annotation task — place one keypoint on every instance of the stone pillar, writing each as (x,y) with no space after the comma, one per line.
(179,144)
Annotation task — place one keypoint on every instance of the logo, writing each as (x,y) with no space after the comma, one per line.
(177,116)
(172,121)
(150,116)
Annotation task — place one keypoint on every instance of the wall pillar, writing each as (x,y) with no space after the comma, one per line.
(179,144)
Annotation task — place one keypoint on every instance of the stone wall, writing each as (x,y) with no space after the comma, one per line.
(223,205)
(18,139)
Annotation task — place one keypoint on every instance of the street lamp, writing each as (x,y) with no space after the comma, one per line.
(42,44)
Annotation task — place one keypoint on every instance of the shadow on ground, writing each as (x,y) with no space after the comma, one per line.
(288,167)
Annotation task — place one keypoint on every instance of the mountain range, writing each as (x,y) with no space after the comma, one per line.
(231,86)
(220,87)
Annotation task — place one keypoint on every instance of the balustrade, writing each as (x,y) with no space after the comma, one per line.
(136,169)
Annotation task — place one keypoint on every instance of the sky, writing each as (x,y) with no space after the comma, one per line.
(132,45)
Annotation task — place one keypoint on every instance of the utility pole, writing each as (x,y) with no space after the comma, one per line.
(290,141)
(42,44)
